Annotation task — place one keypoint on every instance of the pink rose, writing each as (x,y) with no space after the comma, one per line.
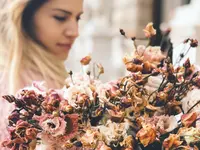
(56,129)
(53,125)
(52,101)
(153,55)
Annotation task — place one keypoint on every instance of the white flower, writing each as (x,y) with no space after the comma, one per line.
(167,123)
(101,91)
(90,138)
(190,134)
(114,131)
(71,93)
(190,100)
(163,123)
(153,83)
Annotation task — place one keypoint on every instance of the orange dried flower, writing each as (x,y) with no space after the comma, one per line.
(152,108)
(133,67)
(128,143)
(188,119)
(149,31)
(172,141)
(102,146)
(86,60)
(101,69)
(31,133)
(127,58)
(116,115)
(146,135)
(147,67)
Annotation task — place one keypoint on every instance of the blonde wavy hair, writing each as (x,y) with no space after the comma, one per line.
(19,52)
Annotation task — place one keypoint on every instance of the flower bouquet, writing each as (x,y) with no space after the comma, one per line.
(156,106)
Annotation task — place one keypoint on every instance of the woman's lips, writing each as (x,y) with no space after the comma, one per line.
(65,46)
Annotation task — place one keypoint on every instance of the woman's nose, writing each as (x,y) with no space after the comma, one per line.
(71,29)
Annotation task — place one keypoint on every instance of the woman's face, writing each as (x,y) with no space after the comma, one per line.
(55,25)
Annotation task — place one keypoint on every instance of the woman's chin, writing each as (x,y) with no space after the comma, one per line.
(62,56)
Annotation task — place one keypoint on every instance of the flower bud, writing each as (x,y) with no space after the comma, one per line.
(86,60)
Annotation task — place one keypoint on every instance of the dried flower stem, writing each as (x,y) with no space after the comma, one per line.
(71,76)
(182,55)
(94,71)
(151,95)
(193,106)
(161,85)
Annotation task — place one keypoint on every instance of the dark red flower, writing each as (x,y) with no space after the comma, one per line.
(194,43)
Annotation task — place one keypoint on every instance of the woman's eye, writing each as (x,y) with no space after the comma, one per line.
(78,18)
(61,19)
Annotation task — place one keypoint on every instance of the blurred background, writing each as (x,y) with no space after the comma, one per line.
(102,19)
(100,37)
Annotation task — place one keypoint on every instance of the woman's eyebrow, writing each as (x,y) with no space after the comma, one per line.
(66,12)
(62,10)
(80,13)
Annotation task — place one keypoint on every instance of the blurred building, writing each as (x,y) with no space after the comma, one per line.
(100,37)
(185,23)
(100,24)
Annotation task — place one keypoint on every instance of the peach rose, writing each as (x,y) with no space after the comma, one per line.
(146,135)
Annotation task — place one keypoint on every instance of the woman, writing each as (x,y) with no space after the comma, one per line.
(35,39)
